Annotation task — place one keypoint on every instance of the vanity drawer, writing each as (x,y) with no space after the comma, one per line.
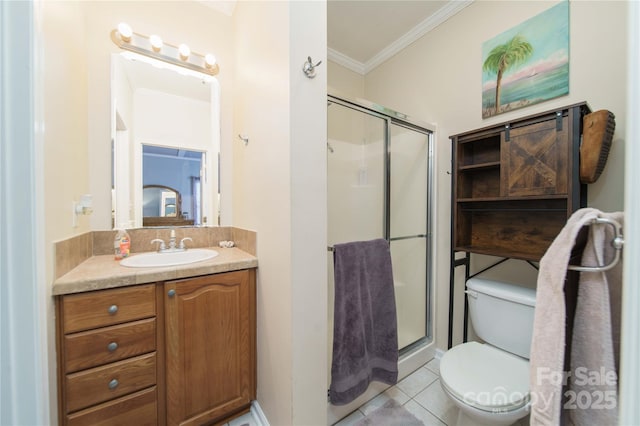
(140,409)
(107,307)
(110,381)
(92,348)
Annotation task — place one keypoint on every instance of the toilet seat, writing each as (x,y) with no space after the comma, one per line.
(485,377)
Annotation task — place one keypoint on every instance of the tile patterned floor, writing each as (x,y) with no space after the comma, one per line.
(422,395)
(244,420)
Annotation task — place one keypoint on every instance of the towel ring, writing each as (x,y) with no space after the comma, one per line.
(617,243)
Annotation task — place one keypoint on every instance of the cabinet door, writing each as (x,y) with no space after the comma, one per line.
(535,159)
(210,346)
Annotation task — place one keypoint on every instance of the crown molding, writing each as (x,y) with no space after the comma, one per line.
(444,13)
(344,60)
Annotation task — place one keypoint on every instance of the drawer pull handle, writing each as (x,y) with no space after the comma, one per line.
(171,293)
(113,309)
(113,384)
(112,346)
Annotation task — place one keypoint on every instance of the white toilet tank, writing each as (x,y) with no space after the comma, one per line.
(502,314)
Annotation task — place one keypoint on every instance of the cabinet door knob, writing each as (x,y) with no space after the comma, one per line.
(171,293)
(113,384)
(113,309)
(112,346)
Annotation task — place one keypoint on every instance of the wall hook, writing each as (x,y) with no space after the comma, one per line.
(309,68)
(244,138)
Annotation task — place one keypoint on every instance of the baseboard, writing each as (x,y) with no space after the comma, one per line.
(438,353)
(258,415)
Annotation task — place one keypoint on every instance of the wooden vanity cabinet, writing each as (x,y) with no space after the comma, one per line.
(107,357)
(211,347)
(176,352)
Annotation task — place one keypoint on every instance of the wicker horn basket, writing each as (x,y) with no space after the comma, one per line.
(598,129)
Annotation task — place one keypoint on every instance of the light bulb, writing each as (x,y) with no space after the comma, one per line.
(184,51)
(125,32)
(156,42)
(209,60)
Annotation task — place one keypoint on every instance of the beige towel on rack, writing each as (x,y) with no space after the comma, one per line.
(547,345)
(595,348)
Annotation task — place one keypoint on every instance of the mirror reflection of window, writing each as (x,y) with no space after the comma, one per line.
(168,206)
(180,170)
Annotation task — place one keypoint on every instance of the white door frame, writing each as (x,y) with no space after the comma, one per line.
(24,370)
(630,333)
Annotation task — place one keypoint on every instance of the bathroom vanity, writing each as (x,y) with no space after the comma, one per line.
(146,346)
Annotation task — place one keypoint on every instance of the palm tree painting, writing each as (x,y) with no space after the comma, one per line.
(527,64)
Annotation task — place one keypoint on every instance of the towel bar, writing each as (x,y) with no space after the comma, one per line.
(617,243)
(407,237)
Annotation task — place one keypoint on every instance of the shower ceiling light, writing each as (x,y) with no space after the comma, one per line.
(154,47)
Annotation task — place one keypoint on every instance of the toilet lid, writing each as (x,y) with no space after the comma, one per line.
(485,377)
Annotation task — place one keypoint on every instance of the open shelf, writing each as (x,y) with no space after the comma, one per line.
(481,166)
(514,185)
(512,204)
(492,251)
(481,151)
(500,232)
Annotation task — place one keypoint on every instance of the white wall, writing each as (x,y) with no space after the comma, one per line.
(170,120)
(65,114)
(65,130)
(437,79)
(308,109)
(343,81)
(262,188)
(279,188)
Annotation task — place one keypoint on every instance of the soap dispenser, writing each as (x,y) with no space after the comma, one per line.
(121,244)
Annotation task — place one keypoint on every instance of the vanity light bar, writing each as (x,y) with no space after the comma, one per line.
(154,47)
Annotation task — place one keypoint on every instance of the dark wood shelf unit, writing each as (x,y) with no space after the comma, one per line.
(481,166)
(514,185)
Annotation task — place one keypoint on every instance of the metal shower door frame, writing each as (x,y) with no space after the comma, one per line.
(393,117)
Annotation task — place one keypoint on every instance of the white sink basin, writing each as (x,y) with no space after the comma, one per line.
(171,258)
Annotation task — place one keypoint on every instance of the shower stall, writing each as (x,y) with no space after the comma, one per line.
(379,186)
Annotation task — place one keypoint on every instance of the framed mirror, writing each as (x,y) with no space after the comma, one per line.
(165,133)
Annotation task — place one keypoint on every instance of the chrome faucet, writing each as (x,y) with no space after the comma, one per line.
(182,246)
(172,239)
(162,247)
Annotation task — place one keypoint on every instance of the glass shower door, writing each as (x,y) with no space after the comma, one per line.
(356,175)
(378,171)
(356,184)
(408,225)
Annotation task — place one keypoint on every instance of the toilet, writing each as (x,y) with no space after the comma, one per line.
(489,382)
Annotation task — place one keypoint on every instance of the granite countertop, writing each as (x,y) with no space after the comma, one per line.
(103,272)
